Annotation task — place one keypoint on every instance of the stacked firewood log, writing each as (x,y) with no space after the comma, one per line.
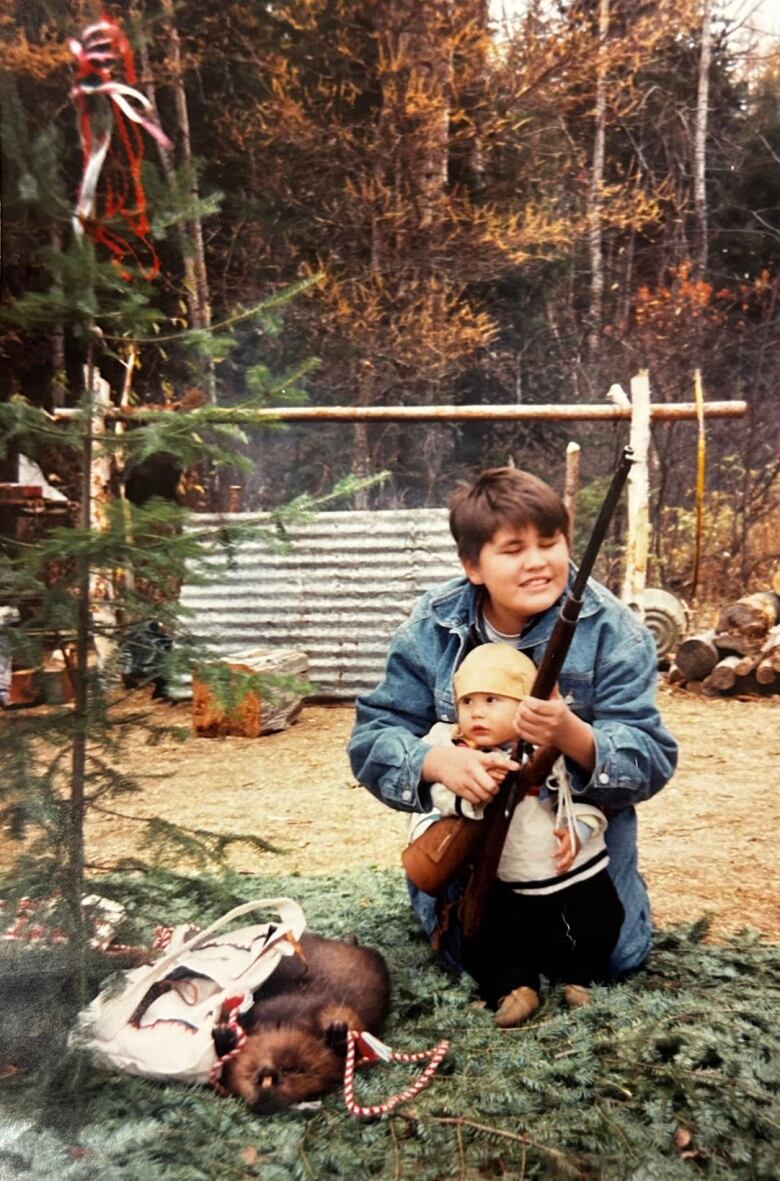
(741,654)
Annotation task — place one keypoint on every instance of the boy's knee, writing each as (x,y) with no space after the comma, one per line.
(633,946)
(424,907)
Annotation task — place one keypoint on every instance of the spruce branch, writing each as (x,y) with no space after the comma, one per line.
(162,830)
(265,305)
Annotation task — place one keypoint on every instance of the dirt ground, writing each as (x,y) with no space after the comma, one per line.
(708,842)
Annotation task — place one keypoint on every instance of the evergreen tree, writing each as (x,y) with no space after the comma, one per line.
(82,586)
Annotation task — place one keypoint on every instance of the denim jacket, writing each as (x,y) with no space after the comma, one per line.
(609,680)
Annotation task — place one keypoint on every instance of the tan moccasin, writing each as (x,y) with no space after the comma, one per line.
(576,995)
(516,1007)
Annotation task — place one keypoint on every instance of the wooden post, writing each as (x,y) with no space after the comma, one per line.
(572,480)
(120,426)
(638,536)
(101,589)
(701,455)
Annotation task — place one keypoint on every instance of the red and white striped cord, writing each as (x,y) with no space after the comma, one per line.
(372,1050)
(162,937)
(236,1005)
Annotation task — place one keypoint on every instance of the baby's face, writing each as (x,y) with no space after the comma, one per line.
(486,718)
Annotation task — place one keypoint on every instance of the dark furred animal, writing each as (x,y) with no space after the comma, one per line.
(297,1027)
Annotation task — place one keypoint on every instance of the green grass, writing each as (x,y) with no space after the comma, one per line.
(671,1075)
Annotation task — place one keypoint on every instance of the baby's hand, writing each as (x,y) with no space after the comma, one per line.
(564,853)
(474,775)
(498,772)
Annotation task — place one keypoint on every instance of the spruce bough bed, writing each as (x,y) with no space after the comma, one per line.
(671,1075)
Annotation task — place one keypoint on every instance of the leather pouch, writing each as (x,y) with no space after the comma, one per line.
(442,851)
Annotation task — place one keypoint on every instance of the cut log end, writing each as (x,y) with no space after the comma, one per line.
(765,672)
(724,674)
(697,656)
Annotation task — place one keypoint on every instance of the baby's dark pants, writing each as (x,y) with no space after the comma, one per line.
(567,936)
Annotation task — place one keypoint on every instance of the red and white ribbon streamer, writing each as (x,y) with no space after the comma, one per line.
(111,203)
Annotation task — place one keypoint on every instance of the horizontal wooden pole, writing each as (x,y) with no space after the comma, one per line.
(586,412)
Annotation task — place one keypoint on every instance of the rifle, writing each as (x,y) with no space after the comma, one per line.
(448,846)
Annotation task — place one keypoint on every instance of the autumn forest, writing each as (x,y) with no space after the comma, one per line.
(431,208)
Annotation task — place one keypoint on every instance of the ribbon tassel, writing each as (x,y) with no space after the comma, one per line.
(111,116)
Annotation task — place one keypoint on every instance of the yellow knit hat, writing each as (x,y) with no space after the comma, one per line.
(494,668)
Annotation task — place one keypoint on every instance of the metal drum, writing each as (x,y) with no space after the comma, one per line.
(666,616)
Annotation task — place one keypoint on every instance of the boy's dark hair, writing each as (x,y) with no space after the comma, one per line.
(503,496)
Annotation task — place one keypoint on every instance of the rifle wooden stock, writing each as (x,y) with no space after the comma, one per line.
(495,826)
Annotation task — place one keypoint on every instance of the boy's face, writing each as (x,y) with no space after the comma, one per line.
(522,572)
(486,718)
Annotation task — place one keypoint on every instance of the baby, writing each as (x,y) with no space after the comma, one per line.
(553,908)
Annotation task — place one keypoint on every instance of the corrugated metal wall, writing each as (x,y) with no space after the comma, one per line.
(340,592)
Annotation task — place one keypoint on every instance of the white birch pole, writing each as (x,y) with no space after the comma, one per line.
(571,481)
(638,537)
(101,588)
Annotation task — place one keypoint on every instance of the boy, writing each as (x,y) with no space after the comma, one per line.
(511,530)
(553,908)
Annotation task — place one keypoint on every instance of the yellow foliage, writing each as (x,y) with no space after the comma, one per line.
(723,561)
(428,327)
(38,61)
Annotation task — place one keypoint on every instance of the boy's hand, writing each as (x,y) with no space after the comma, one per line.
(564,853)
(542,722)
(474,775)
(552,723)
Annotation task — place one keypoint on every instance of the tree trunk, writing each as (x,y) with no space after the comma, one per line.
(415,69)
(191,231)
(416,62)
(79,676)
(765,672)
(361,462)
(58,384)
(752,615)
(194,228)
(102,596)
(361,451)
(724,674)
(169,171)
(700,143)
(596,190)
